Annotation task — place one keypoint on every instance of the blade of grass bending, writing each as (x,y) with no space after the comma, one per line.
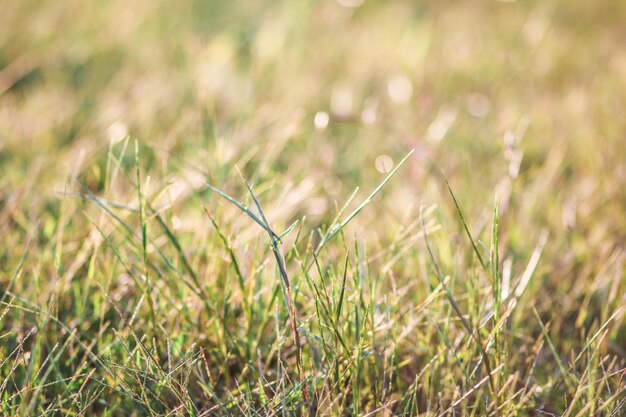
(341,211)
(239,206)
(90,196)
(274,240)
(337,228)
(285,285)
(280,260)
(289,229)
(469,235)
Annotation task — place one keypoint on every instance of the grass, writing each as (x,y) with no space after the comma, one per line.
(302,208)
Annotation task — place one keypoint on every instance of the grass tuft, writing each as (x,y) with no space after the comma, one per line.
(219,209)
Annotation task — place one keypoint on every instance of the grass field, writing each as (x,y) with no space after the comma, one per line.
(327,208)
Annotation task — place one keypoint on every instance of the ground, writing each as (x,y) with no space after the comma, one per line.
(335,207)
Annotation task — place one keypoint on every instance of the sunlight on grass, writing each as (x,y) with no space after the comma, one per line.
(342,207)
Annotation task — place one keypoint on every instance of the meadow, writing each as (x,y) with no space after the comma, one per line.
(322,208)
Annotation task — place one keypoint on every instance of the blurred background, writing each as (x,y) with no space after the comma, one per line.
(505,97)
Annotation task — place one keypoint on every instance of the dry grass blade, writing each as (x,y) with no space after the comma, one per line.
(470,391)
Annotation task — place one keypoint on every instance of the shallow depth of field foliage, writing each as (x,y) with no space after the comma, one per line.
(205,208)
